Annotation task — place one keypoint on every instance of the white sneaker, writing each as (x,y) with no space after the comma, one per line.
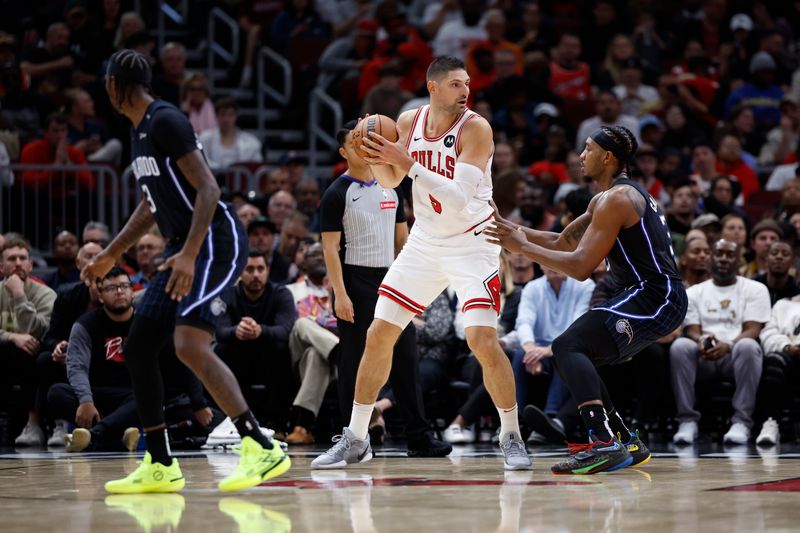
(455,434)
(31,436)
(227,434)
(770,433)
(686,434)
(738,434)
(57,438)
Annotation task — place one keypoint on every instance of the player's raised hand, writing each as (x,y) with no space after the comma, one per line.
(182,277)
(504,234)
(98,267)
(383,152)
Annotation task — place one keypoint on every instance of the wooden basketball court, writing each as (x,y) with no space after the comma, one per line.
(732,490)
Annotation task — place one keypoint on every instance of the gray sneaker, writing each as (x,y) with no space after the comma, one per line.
(348,450)
(515,456)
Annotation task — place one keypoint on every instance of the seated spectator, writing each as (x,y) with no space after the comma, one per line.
(708,225)
(609,113)
(49,66)
(150,245)
(99,397)
(386,97)
(721,196)
(722,325)
(782,140)
(781,341)
(780,283)
(25,308)
(548,305)
(65,252)
(72,301)
(344,58)
(742,123)
(647,165)
(313,338)
(87,134)
(761,93)
(762,236)
(54,148)
(521,269)
(730,162)
(281,205)
(704,164)
(196,103)
(308,195)
(247,213)
(167,85)
(298,20)
(532,209)
(252,337)
(635,97)
(695,261)
(455,37)
(96,232)
(261,237)
(294,165)
(569,77)
(682,205)
(294,229)
(228,145)
(784,173)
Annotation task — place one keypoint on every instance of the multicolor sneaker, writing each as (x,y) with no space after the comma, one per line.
(256,465)
(596,456)
(149,477)
(637,449)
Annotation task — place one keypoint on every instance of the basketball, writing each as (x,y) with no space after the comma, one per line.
(380,124)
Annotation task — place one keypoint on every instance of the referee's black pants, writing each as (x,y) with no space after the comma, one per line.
(362,285)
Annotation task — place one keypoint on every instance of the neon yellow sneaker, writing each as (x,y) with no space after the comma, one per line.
(149,477)
(150,511)
(251,517)
(256,465)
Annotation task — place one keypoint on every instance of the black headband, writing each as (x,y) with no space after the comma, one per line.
(119,72)
(606,143)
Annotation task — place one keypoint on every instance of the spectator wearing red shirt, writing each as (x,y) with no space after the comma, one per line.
(53,149)
(569,79)
(729,161)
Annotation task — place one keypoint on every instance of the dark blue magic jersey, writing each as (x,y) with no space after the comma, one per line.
(165,135)
(643,252)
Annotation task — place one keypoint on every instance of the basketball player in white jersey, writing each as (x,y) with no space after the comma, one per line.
(446,149)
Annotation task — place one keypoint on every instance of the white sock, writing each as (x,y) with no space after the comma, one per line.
(359,419)
(509,422)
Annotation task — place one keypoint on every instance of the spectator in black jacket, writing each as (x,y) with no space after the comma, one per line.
(72,301)
(99,396)
(253,335)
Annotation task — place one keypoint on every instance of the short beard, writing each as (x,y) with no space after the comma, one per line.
(118,311)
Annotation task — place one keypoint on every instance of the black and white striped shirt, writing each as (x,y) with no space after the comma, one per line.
(365,214)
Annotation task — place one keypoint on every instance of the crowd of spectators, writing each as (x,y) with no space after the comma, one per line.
(710,88)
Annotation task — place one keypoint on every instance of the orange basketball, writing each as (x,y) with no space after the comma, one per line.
(380,124)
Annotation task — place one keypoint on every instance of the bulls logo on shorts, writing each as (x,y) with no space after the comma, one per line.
(449,141)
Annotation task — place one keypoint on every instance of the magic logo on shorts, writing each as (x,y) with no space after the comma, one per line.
(624,326)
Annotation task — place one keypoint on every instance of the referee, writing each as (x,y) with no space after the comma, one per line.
(363,227)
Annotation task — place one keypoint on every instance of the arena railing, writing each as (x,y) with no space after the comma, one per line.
(217,19)
(39,206)
(321,100)
(281,95)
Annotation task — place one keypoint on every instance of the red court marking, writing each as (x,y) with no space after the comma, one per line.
(784,485)
(409,482)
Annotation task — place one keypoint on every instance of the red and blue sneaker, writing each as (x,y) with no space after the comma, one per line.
(596,456)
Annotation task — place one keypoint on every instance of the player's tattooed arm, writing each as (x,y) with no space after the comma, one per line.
(194,167)
(140,222)
(573,233)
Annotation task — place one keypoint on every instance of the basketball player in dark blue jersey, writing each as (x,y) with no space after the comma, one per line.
(624,226)
(207,250)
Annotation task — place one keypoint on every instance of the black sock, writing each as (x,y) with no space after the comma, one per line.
(247,425)
(158,446)
(594,416)
(617,425)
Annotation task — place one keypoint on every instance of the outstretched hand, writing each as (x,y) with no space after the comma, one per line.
(98,267)
(380,151)
(506,235)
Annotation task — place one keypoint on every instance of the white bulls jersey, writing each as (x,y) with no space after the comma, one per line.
(439,155)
